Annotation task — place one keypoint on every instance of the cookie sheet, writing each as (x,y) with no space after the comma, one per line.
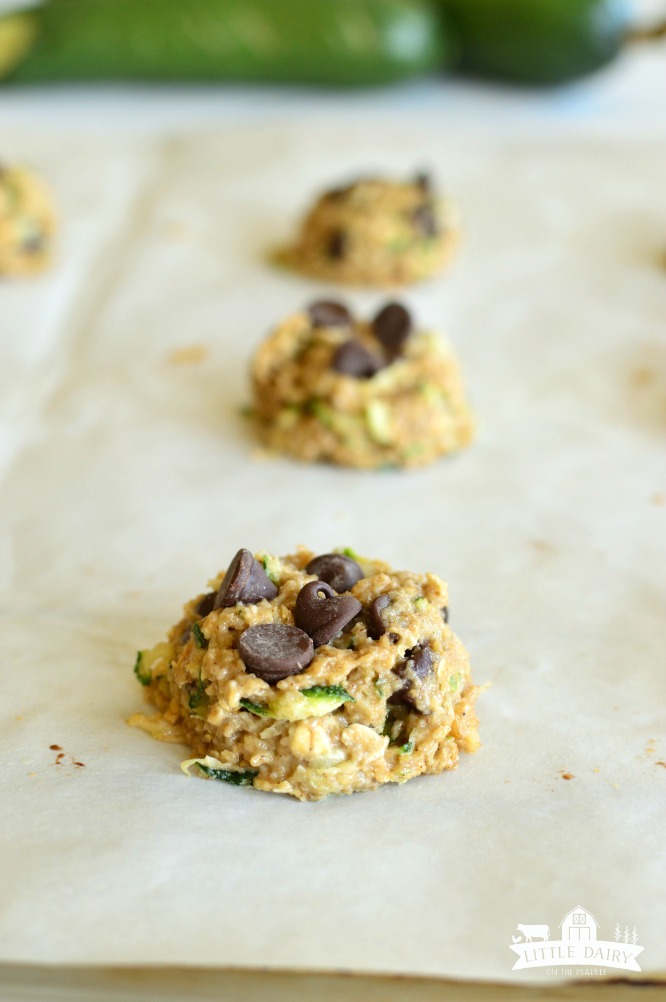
(129,478)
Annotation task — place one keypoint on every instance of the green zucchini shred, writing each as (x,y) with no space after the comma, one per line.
(322,412)
(143,677)
(199,638)
(332,691)
(240,778)
(415,449)
(270,573)
(199,699)
(255,708)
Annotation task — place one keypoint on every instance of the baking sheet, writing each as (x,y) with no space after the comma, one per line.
(129,478)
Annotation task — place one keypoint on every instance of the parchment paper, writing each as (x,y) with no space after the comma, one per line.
(129,478)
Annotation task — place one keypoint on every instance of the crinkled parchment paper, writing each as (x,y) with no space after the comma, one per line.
(129,478)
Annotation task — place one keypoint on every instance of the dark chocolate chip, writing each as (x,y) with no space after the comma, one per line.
(206,604)
(338,571)
(392,326)
(353,359)
(326,313)
(425,220)
(394,637)
(445,613)
(423,180)
(336,194)
(341,190)
(323,618)
(274,650)
(418,663)
(336,247)
(246,581)
(376,628)
(34,243)
(421,660)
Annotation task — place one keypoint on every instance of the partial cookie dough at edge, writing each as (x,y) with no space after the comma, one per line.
(27,223)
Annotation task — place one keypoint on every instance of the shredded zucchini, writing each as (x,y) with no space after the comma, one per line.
(153,663)
(199,638)
(212,768)
(260,711)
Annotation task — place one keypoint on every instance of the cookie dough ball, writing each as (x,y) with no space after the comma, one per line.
(376,233)
(312,675)
(27,222)
(330,388)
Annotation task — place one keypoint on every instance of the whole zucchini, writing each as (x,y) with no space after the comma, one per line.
(536,41)
(338,42)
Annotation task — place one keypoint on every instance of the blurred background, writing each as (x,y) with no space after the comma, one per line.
(173,62)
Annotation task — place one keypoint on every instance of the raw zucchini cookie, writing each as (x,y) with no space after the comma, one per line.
(27,222)
(375,232)
(313,675)
(329,388)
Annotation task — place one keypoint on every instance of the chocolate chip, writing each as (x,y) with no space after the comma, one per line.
(326,313)
(33,243)
(353,359)
(425,221)
(206,604)
(392,327)
(342,190)
(274,650)
(445,613)
(336,194)
(323,618)
(421,660)
(394,637)
(246,581)
(423,180)
(337,245)
(338,571)
(376,628)
(418,663)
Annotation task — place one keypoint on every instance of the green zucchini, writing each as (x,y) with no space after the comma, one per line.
(212,768)
(18,34)
(153,663)
(330,42)
(536,41)
(298,704)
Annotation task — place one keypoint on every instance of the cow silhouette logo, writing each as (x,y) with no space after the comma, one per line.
(531,932)
(578,945)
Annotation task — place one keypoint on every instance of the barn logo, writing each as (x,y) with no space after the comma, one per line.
(577,946)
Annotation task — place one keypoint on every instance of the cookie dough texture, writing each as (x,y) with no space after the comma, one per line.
(341,724)
(408,414)
(27,222)
(375,232)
